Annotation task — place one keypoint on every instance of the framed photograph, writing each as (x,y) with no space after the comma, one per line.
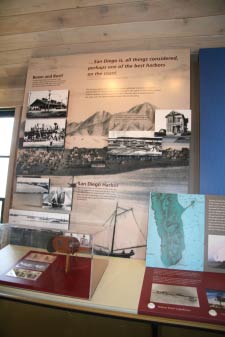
(32,185)
(44,133)
(47,104)
(58,198)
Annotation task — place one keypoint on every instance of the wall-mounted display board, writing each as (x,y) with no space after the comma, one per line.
(212,120)
(121,128)
(185,261)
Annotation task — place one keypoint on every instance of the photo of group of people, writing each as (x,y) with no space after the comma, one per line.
(45,124)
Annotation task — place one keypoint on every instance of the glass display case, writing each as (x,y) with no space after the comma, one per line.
(56,262)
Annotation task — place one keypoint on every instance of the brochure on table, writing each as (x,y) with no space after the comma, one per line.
(185,261)
(104,129)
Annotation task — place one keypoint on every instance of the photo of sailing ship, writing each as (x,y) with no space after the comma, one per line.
(47,104)
(120,235)
(174,294)
(58,198)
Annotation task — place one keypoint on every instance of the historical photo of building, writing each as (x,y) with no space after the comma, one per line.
(47,104)
(174,126)
(44,133)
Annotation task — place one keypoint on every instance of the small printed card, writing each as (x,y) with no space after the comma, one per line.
(33,265)
(24,274)
(41,257)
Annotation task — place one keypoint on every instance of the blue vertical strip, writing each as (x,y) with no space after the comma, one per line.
(212,121)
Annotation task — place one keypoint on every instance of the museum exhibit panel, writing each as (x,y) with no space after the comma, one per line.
(114,212)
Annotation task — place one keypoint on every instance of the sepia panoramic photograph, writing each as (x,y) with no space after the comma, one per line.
(171,294)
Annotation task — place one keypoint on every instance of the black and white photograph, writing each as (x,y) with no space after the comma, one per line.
(47,104)
(26,274)
(134,143)
(216,251)
(39,219)
(32,185)
(216,298)
(174,126)
(171,294)
(109,209)
(44,133)
(58,198)
(32,265)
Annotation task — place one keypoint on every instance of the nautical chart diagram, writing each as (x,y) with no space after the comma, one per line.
(176,231)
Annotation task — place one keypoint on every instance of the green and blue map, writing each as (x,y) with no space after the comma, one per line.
(176,231)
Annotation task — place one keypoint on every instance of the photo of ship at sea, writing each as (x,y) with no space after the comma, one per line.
(58,198)
(174,294)
(39,219)
(47,104)
(121,234)
(32,185)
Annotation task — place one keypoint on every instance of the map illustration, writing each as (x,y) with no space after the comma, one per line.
(176,231)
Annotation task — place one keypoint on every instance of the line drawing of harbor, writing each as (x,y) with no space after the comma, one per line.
(121,234)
